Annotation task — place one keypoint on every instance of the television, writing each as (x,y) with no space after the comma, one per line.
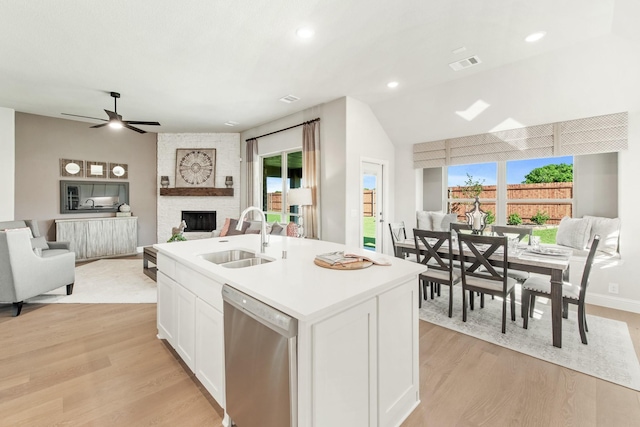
(92,196)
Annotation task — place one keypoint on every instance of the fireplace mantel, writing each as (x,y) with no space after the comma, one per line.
(196,191)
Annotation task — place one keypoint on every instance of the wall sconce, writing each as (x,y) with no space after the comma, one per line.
(164,181)
(228,181)
(476,218)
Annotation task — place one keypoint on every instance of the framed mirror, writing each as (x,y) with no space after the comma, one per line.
(118,171)
(92,196)
(70,167)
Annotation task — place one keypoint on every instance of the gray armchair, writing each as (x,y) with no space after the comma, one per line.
(25,271)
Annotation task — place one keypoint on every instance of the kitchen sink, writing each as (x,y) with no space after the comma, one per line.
(248,262)
(227,256)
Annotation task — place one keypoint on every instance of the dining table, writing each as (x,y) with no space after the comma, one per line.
(549,260)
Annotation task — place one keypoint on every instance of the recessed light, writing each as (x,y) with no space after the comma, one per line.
(231,123)
(534,37)
(392,85)
(305,32)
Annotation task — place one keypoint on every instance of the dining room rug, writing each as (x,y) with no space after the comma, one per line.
(609,355)
(116,281)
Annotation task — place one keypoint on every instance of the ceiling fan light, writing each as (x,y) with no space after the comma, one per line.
(115,124)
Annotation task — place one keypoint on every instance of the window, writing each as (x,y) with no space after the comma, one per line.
(540,191)
(465,182)
(280,173)
(532,191)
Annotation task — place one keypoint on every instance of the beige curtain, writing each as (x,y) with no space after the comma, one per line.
(311,176)
(252,164)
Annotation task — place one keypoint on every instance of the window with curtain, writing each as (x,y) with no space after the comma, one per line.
(280,173)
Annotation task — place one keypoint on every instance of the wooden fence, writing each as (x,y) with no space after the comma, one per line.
(552,190)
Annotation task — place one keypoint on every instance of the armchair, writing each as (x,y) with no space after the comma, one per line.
(37,241)
(24,274)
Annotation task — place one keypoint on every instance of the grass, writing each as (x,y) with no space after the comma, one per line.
(369,231)
(547,235)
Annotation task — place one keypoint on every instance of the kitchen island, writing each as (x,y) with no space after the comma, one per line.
(357,341)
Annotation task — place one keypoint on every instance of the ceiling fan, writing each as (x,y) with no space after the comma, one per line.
(115,120)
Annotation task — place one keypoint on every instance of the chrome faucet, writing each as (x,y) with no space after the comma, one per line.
(263,227)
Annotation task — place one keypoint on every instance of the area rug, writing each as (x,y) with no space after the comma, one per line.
(609,355)
(117,281)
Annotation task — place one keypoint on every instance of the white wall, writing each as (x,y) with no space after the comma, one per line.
(7,164)
(366,140)
(589,79)
(170,208)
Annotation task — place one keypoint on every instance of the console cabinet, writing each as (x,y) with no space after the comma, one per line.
(93,238)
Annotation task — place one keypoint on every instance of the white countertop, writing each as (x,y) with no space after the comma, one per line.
(294,285)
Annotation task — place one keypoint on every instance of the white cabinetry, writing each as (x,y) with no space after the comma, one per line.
(210,350)
(190,319)
(99,237)
(185,339)
(166,317)
(344,368)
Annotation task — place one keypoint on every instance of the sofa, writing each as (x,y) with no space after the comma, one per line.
(249,227)
(29,267)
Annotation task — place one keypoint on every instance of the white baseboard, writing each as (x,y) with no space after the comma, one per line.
(617,303)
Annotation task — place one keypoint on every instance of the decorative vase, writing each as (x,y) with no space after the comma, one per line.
(164,181)
(228,181)
(124,208)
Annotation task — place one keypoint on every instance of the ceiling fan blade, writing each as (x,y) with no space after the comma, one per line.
(134,128)
(134,122)
(86,117)
(98,126)
(113,116)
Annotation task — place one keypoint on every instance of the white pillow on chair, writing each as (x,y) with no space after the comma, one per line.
(574,232)
(609,231)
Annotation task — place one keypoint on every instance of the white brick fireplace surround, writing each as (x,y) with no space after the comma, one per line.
(170,208)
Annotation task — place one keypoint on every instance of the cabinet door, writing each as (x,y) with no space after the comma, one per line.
(398,379)
(185,336)
(210,350)
(344,368)
(166,304)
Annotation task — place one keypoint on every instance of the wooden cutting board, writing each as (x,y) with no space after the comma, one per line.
(358,265)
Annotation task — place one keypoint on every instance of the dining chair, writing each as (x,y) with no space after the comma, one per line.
(459,226)
(398,232)
(521,232)
(571,294)
(492,279)
(440,270)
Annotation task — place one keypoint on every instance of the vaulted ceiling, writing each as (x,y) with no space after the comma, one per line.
(195,65)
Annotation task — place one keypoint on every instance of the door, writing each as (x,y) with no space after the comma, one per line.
(372,212)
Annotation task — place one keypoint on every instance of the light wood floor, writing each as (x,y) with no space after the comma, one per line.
(101,365)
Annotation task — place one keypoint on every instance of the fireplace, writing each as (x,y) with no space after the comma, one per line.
(199,220)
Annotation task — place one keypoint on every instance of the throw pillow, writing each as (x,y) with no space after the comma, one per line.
(276,228)
(609,231)
(232,228)
(447,220)
(39,243)
(424,220)
(436,220)
(225,227)
(574,232)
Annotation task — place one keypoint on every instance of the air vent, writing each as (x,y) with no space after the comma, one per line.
(465,63)
(289,99)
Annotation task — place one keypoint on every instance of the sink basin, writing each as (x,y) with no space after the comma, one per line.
(227,256)
(248,262)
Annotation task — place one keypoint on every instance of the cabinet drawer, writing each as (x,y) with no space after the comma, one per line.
(167,265)
(207,289)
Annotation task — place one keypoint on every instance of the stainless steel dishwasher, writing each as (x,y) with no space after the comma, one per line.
(260,350)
